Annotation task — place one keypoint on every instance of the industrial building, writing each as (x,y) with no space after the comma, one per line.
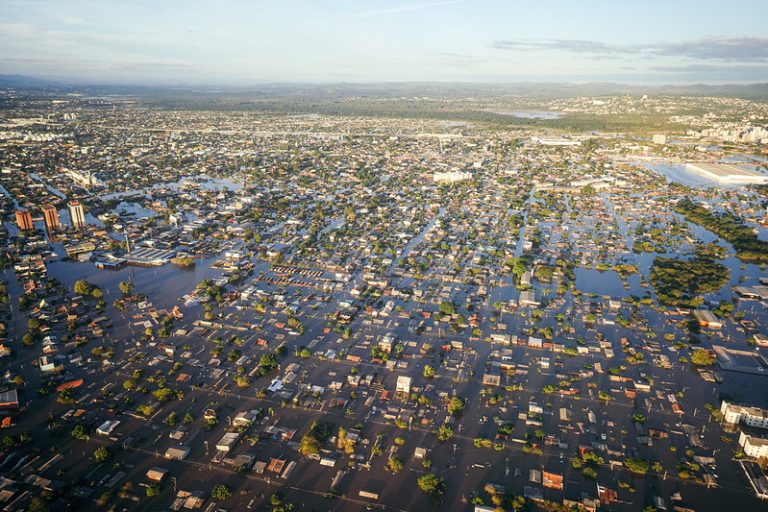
(726,173)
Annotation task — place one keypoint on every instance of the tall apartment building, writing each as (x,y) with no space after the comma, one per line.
(51,215)
(24,220)
(76,214)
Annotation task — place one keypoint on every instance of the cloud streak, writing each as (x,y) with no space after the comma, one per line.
(738,49)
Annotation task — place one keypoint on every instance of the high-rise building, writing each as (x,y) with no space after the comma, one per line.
(76,214)
(24,220)
(51,215)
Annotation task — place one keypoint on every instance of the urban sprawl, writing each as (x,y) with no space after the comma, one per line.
(223,309)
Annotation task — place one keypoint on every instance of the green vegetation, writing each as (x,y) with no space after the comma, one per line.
(730,228)
(183,261)
(221,492)
(637,466)
(544,273)
(678,282)
(101,454)
(448,308)
(702,357)
(433,485)
(126,287)
(394,464)
(444,433)
(79,432)
(456,406)
(267,363)
(313,441)
(84,288)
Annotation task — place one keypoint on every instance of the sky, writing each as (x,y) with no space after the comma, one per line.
(244,42)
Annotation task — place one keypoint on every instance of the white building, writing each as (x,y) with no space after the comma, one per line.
(556,141)
(85,179)
(451,176)
(726,173)
(403,384)
(755,447)
(751,416)
(76,214)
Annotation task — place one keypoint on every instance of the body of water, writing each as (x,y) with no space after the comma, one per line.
(606,282)
(528,114)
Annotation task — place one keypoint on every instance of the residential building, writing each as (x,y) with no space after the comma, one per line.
(76,214)
(51,218)
(491,379)
(403,384)
(24,220)
(751,416)
(755,447)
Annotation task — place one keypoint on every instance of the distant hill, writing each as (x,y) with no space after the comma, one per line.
(345,90)
(23,81)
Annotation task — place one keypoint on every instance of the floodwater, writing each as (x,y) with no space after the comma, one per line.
(607,282)
(205,182)
(164,285)
(529,114)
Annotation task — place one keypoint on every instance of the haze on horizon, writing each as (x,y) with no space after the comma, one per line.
(196,42)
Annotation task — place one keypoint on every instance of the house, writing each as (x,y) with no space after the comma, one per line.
(552,480)
(403,384)
(227,441)
(528,298)
(156,474)
(491,379)
(9,400)
(707,319)
(107,427)
(386,344)
(179,452)
(244,419)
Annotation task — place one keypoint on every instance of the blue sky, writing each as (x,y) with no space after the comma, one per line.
(227,42)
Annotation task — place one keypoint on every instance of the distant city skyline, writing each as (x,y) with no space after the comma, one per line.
(249,42)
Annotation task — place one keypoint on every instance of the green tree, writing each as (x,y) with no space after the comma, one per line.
(126,287)
(447,308)
(80,433)
(702,357)
(394,464)
(82,287)
(221,492)
(433,485)
(456,406)
(101,454)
